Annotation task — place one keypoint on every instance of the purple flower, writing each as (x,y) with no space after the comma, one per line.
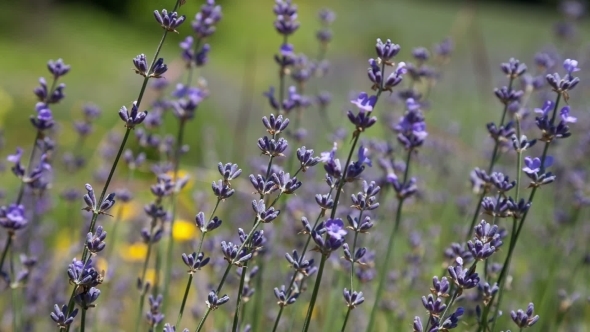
(18,169)
(335,228)
(334,233)
(58,68)
(526,318)
(169,21)
(411,128)
(44,119)
(13,217)
(565,115)
(533,165)
(61,318)
(547,107)
(132,118)
(387,50)
(204,23)
(570,66)
(568,82)
(365,102)
(362,156)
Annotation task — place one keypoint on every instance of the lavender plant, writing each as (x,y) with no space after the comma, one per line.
(319,242)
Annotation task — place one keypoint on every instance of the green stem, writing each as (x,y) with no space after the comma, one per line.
(385,266)
(5,250)
(515,235)
(303,252)
(258,300)
(143,273)
(352,272)
(170,248)
(493,161)
(186,290)
(314,295)
(227,269)
(83,321)
(236,322)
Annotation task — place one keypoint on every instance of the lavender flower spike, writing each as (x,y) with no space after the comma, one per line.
(132,118)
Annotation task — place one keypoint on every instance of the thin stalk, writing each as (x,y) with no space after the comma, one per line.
(351,274)
(5,250)
(170,249)
(186,290)
(227,269)
(16,308)
(143,273)
(282,81)
(258,300)
(314,295)
(23,184)
(303,252)
(385,266)
(333,213)
(493,161)
(515,235)
(119,153)
(236,322)
(190,278)
(83,321)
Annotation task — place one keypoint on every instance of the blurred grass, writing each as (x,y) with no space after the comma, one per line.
(100,48)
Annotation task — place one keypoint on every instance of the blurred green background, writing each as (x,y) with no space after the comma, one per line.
(100,42)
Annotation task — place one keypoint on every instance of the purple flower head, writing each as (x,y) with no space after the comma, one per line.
(444,48)
(411,128)
(453,320)
(12,218)
(169,21)
(330,155)
(61,317)
(44,119)
(334,233)
(547,107)
(362,157)
(568,82)
(533,165)
(132,118)
(571,66)
(286,21)
(396,76)
(187,49)
(565,115)
(524,319)
(365,102)
(18,169)
(463,278)
(335,228)
(386,51)
(204,23)
(513,68)
(58,68)
(326,16)
(536,171)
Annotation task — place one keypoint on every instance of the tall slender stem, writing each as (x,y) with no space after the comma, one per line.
(514,238)
(390,244)
(143,273)
(228,268)
(236,322)
(302,255)
(493,161)
(314,295)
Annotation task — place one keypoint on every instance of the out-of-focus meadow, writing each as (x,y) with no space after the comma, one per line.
(550,266)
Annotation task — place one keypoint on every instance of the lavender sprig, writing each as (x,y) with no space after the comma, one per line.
(550,132)
(513,69)
(204,25)
(364,103)
(131,119)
